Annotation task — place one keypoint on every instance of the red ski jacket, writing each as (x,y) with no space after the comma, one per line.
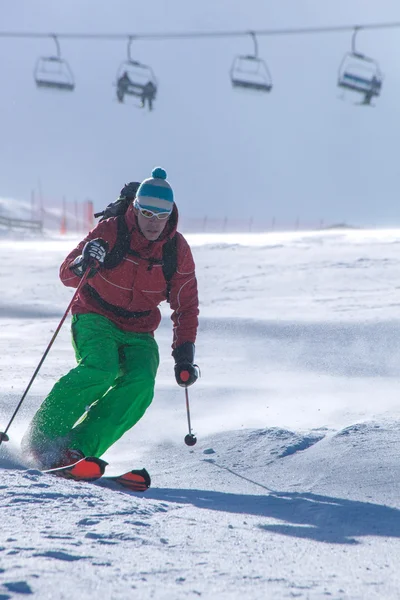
(137,285)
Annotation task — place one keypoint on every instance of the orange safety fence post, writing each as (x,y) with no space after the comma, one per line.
(63,225)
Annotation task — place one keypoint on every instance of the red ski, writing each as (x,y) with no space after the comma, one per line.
(136,481)
(86,469)
(92,469)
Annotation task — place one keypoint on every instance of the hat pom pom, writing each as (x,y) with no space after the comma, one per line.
(159,173)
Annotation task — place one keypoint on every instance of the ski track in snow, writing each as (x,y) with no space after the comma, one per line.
(292,489)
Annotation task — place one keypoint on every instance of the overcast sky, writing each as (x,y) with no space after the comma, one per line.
(299,151)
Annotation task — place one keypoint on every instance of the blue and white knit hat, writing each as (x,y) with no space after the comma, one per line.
(155,193)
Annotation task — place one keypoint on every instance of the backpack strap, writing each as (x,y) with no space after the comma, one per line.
(121,246)
(150,260)
(116,310)
(170,262)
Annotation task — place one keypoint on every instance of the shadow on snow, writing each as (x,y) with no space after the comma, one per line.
(304,515)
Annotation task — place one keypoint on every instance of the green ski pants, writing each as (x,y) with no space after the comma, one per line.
(109,390)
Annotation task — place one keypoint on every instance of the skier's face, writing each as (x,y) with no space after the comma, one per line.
(151,228)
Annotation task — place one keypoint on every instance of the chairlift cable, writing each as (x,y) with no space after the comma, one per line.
(201,34)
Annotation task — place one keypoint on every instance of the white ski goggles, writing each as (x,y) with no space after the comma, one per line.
(149,214)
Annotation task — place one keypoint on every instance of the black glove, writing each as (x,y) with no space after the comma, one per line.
(186,373)
(94,252)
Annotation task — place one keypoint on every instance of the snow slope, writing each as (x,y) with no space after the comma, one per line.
(292,489)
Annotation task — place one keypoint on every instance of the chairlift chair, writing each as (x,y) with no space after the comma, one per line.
(251,72)
(360,73)
(53,72)
(133,76)
(135,79)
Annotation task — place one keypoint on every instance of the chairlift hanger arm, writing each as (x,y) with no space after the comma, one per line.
(253,35)
(130,40)
(353,40)
(54,36)
(353,43)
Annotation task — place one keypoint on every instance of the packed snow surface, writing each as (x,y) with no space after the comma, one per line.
(292,490)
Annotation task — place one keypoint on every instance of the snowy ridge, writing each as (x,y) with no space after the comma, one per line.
(15,209)
(254,488)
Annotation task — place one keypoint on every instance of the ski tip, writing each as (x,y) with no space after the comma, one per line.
(135,480)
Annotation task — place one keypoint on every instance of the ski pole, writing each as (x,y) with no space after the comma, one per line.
(3,434)
(190,439)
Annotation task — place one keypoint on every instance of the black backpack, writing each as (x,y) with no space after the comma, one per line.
(120,205)
(122,248)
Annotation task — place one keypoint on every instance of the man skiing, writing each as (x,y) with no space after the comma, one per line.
(114,318)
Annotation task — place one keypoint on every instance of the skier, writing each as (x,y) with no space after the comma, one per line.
(113,323)
(148,93)
(123,84)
